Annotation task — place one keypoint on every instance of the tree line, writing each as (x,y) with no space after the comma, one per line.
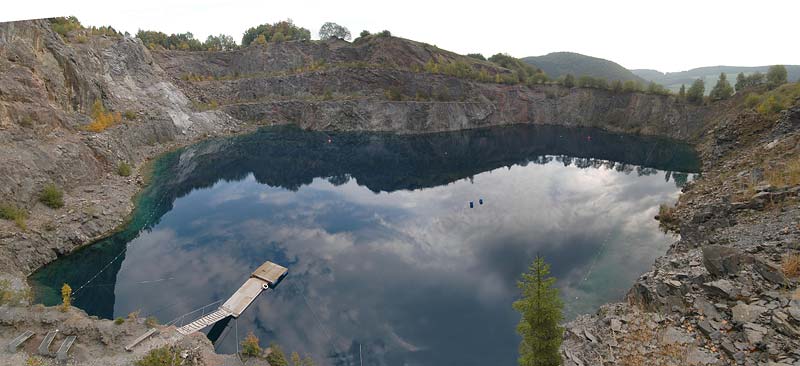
(775,77)
(520,72)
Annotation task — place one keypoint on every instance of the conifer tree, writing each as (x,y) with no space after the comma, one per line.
(722,90)
(682,92)
(541,310)
(696,92)
(741,82)
(569,81)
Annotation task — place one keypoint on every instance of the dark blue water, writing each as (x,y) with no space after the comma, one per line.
(387,263)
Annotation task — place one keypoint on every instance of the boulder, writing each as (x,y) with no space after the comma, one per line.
(769,272)
(706,308)
(743,313)
(754,333)
(723,287)
(721,261)
(781,322)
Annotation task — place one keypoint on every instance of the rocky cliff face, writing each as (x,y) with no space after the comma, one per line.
(47,87)
(345,95)
(726,292)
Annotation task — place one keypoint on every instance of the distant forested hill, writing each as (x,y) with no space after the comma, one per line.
(557,64)
(710,74)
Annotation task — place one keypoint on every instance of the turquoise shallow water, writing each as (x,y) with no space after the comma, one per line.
(388,263)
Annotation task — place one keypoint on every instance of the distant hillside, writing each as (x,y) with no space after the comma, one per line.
(557,64)
(710,74)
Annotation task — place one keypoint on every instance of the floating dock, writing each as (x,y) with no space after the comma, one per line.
(264,277)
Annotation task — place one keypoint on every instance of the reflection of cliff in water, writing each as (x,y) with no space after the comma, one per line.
(290,158)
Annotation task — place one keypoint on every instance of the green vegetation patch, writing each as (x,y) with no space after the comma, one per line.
(770,103)
(124,169)
(13,213)
(52,196)
(163,356)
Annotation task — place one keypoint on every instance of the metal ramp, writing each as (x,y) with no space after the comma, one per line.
(203,322)
(63,350)
(44,347)
(18,341)
(140,339)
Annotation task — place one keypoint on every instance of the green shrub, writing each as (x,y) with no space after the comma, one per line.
(151,321)
(13,213)
(129,115)
(51,196)
(124,169)
(164,356)
(119,320)
(63,26)
(250,346)
(277,357)
(771,102)
(752,100)
(771,105)
(281,31)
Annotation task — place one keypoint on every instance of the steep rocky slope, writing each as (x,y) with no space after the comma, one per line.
(342,86)
(47,87)
(726,292)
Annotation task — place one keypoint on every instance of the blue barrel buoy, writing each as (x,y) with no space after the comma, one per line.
(471,204)
(480,201)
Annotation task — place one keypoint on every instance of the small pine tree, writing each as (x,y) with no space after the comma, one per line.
(722,90)
(66,297)
(541,310)
(569,81)
(682,92)
(696,92)
(741,82)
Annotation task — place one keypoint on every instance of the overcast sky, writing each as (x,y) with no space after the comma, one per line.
(670,35)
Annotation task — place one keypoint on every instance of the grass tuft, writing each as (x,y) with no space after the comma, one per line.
(52,196)
(124,169)
(12,213)
(791,265)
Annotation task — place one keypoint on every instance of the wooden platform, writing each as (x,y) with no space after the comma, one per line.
(270,272)
(265,276)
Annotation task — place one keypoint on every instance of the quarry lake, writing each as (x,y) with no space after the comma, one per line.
(388,263)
